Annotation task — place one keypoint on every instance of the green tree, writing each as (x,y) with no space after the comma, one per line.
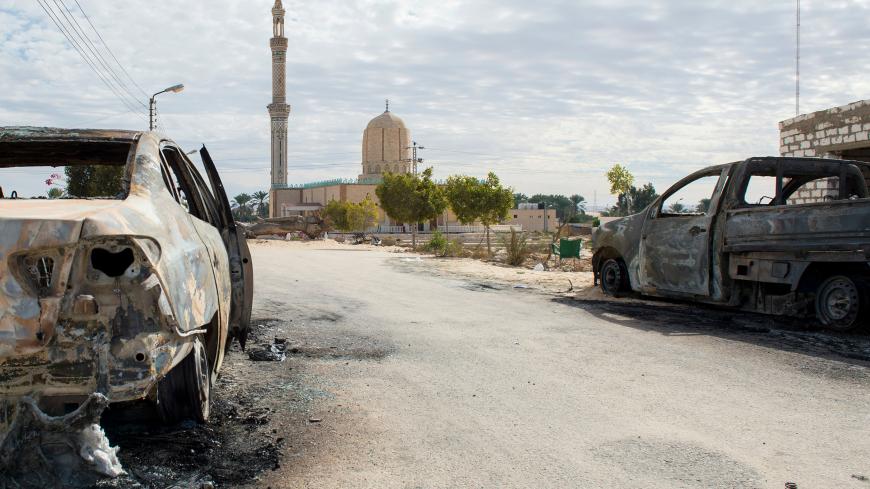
(486,201)
(634,201)
(55,193)
(260,202)
(362,215)
(241,206)
(519,199)
(642,197)
(562,204)
(579,203)
(336,213)
(620,179)
(677,208)
(94,180)
(703,206)
(411,198)
(621,182)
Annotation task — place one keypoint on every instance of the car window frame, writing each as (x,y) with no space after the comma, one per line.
(197,205)
(719,172)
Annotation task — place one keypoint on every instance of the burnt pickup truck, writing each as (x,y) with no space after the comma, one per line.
(786,236)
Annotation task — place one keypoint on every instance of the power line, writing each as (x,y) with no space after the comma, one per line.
(109,49)
(51,15)
(73,23)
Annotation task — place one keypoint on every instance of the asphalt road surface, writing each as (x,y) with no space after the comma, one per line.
(398,376)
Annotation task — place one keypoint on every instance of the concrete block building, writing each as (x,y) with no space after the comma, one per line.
(839,132)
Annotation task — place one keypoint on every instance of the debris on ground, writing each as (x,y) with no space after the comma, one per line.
(276,352)
(70,451)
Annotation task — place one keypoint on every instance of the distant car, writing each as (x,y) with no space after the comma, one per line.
(134,295)
(773,235)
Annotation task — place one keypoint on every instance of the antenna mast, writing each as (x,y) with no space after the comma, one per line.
(797,63)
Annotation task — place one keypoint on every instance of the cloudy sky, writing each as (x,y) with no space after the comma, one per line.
(548,94)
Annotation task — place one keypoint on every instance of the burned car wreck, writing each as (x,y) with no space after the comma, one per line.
(773,235)
(131,296)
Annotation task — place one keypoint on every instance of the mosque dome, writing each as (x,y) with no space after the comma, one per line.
(385,146)
(387,120)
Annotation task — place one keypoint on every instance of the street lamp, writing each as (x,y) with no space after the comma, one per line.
(152,104)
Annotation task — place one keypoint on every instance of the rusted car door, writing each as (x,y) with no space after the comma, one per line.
(676,239)
(241,270)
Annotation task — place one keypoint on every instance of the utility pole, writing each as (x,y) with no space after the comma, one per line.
(152,104)
(797,63)
(414,158)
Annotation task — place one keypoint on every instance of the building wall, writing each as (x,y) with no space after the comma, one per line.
(533,219)
(283,196)
(839,132)
(826,132)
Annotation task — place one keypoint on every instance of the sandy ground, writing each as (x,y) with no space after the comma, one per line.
(407,371)
(552,281)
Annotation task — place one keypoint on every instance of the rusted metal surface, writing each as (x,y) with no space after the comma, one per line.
(758,257)
(104,295)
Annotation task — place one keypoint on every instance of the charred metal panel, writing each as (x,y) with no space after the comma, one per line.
(104,295)
(675,254)
(623,236)
(836,226)
(747,266)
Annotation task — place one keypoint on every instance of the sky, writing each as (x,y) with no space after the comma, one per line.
(547,94)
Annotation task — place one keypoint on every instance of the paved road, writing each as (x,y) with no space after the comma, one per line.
(401,377)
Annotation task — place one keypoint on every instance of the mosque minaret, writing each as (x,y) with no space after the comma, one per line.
(279,111)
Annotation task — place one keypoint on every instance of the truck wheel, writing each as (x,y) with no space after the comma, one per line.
(184,393)
(614,277)
(841,303)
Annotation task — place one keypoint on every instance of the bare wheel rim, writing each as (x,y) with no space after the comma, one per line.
(202,373)
(839,300)
(612,276)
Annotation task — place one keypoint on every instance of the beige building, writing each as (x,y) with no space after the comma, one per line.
(533,219)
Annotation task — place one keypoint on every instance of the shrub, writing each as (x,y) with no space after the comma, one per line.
(437,244)
(479,252)
(454,248)
(388,241)
(516,247)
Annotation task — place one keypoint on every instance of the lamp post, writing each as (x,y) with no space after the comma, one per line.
(152,104)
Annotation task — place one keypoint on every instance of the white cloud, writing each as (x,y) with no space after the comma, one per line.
(548,94)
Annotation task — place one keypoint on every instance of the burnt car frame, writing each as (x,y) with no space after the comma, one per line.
(776,255)
(135,297)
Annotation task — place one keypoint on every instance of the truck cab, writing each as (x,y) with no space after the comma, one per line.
(774,235)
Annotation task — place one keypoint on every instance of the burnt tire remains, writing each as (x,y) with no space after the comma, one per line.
(186,390)
(614,277)
(841,303)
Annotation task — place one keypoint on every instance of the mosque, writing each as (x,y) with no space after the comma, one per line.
(386,148)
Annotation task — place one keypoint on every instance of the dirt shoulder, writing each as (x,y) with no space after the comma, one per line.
(554,281)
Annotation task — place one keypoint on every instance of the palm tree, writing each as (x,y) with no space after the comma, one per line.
(260,202)
(241,204)
(579,203)
(55,193)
